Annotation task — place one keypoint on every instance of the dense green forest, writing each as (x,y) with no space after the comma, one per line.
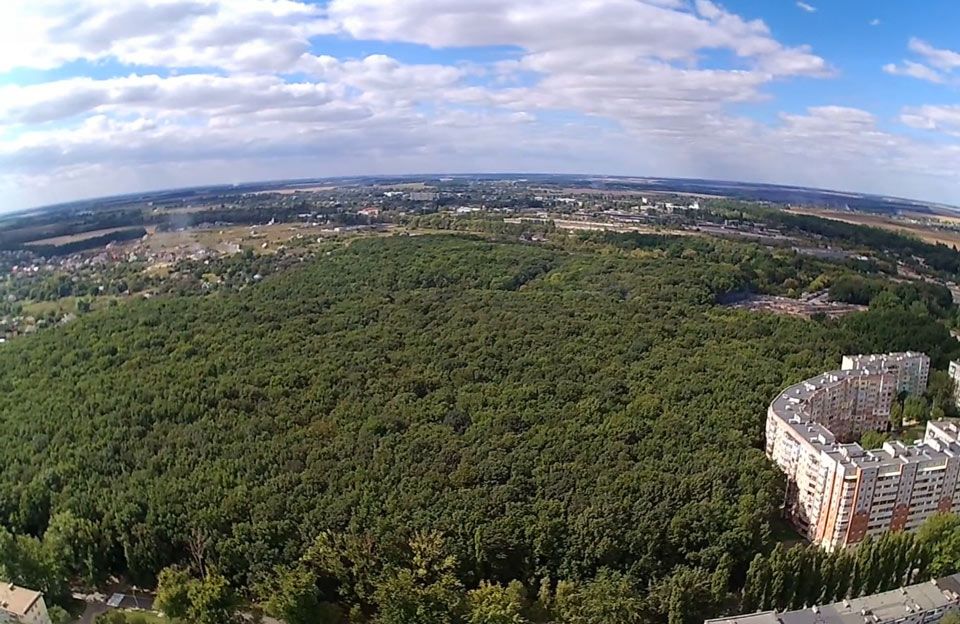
(576,421)
(923,256)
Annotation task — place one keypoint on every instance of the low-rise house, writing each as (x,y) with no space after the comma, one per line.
(22,605)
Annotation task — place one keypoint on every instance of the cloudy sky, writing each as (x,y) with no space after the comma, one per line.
(108,96)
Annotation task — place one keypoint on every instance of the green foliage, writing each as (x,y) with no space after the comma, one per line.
(940,390)
(425,590)
(291,595)
(34,563)
(896,415)
(495,604)
(552,411)
(938,257)
(206,600)
(941,537)
(915,409)
(75,543)
(950,617)
(884,294)
(59,615)
(609,597)
(173,592)
(873,439)
(212,601)
(757,584)
(805,575)
(113,616)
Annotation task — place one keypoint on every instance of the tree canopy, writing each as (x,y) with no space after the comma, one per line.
(582,412)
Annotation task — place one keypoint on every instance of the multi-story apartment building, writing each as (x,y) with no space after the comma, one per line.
(910,368)
(848,402)
(839,493)
(923,603)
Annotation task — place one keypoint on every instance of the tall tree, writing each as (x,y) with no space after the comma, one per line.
(424,590)
(291,595)
(756,584)
(212,601)
(496,604)
(173,592)
(610,597)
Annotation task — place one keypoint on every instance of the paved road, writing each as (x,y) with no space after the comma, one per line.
(95,608)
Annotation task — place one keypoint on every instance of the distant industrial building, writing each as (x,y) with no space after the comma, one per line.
(838,493)
(923,603)
(22,605)
(424,196)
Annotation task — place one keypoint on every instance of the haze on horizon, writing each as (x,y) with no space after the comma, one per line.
(100,98)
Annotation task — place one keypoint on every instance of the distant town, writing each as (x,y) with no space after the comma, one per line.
(60,262)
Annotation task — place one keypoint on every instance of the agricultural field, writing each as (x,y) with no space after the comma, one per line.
(258,238)
(82,236)
(65,305)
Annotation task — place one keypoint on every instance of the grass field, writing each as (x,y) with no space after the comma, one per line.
(42,308)
(292,191)
(72,238)
(259,238)
(144,617)
(912,432)
(38,309)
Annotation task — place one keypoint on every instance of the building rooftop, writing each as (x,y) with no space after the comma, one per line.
(17,600)
(885,357)
(874,609)
(884,607)
(764,617)
(790,406)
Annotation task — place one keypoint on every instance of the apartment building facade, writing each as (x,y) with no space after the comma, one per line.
(954,372)
(910,368)
(839,492)
(850,402)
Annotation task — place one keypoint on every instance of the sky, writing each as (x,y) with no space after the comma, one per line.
(100,97)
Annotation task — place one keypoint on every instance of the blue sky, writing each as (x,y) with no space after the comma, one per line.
(842,32)
(100,97)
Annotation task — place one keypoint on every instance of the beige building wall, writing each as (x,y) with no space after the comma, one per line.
(840,493)
(36,614)
(19,605)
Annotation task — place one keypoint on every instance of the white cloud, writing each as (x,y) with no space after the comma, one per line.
(844,148)
(943,118)
(628,29)
(941,58)
(247,35)
(914,70)
(629,61)
(936,66)
(625,78)
(173,96)
(874,22)
(807,7)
